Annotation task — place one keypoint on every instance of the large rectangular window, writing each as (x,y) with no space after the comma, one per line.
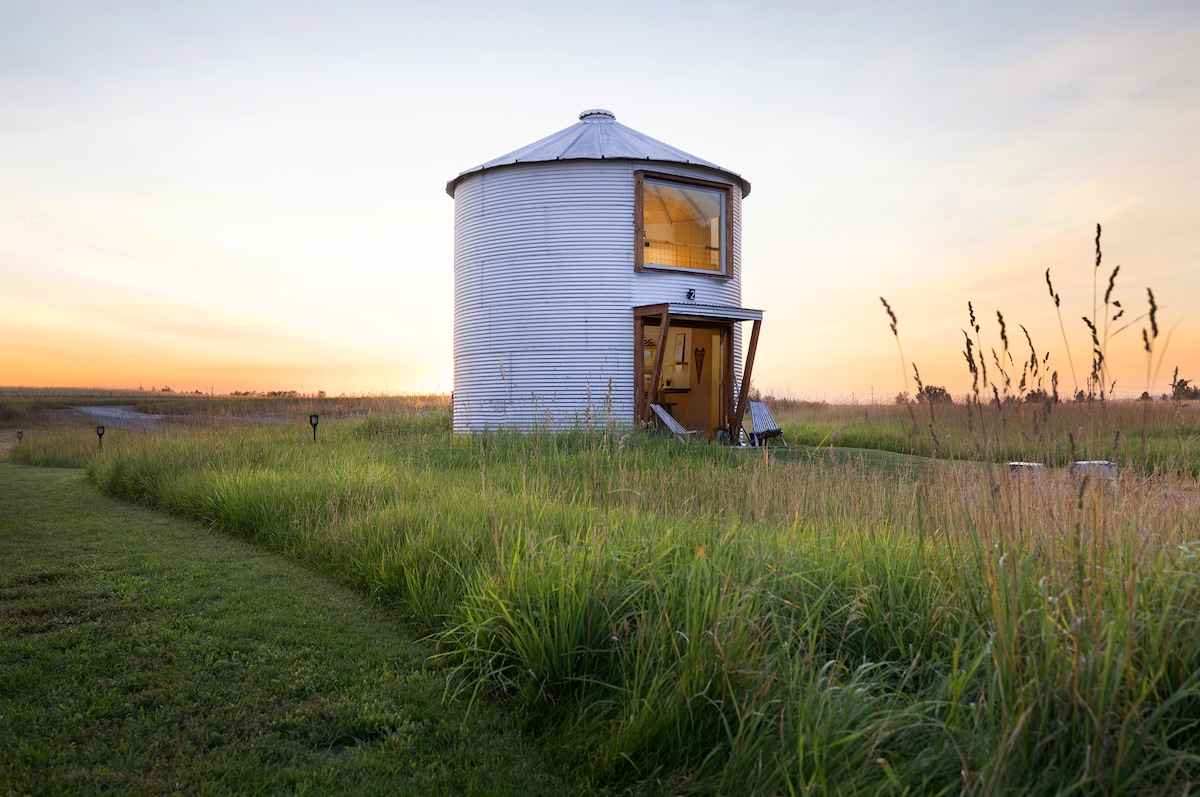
(682,224)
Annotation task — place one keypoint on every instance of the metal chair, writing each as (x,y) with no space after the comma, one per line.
(672,425)
(762,425)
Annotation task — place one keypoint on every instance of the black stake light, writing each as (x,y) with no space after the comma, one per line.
(313,420)
(19,436)
(100,435)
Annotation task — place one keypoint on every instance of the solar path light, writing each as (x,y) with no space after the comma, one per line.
(313,420)
(100,436)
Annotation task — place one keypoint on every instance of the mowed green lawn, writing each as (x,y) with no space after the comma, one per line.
(141,654)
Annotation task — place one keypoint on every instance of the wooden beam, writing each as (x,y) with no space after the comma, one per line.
(656,373)
(639,222)
(747,370)
(639,366)
(727,396)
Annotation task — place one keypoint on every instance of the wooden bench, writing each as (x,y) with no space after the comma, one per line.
(673,426)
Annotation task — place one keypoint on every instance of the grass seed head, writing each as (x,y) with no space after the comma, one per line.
(1050,285)
(1153,314)
(1033,358)
(1112,279)
(891,315)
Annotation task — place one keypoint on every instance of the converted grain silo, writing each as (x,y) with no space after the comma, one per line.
(596,272)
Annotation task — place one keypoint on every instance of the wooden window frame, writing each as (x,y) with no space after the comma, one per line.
(639,242)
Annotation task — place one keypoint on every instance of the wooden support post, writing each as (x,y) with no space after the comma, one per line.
(727,395)
(656,373)
(740,410)
(639,366)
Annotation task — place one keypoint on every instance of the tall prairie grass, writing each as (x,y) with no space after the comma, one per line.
(692,619)
(16,410)
(882,608)
(1141,436)
(214,409)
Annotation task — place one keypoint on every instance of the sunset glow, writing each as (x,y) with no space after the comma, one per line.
(250,196)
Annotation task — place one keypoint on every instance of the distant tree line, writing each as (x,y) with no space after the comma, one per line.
(1181,390)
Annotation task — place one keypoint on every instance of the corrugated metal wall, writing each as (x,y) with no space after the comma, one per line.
(544,288)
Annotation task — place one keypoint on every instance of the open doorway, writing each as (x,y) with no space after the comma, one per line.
(694,375)
(684,362)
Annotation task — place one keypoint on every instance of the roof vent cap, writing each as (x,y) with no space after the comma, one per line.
(598,114)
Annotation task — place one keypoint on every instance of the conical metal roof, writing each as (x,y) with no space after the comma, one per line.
(597,136)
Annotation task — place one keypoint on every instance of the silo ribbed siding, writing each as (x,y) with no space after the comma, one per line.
(542,315)
(544,291)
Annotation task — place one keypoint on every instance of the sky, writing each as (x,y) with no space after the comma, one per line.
(250,195)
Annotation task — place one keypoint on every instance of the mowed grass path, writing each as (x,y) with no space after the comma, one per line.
(141,654)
